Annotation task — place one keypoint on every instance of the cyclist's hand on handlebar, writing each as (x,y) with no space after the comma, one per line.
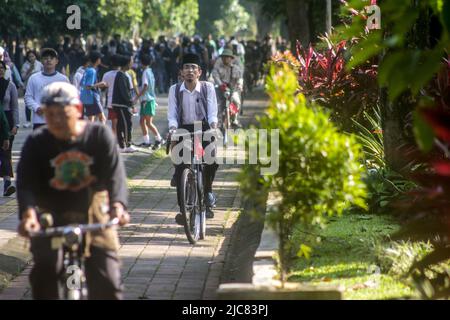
(171,132)
(213,125)
(29,223)
(118,211)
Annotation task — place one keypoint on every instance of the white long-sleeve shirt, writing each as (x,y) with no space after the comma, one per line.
(109,78)
(77,78)
(35,86)
(191,100)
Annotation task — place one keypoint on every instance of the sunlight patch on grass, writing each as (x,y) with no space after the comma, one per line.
(346,256)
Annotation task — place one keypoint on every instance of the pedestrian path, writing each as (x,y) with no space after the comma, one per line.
(157,260)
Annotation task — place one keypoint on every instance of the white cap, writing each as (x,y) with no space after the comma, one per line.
(61,93)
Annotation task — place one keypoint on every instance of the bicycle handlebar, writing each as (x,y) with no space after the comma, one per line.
(174,134)
(78,229)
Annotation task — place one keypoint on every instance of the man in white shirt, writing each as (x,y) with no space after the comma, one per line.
(38,81)
(192,101)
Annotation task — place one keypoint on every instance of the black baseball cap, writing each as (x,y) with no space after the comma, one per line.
(49,52)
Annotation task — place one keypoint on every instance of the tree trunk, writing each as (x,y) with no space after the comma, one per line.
(396,115)
(298,22)
(264,24)
(393,123)
(328,17)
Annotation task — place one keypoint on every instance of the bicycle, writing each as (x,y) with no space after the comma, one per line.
(230,109)
(71,239)
(190,188)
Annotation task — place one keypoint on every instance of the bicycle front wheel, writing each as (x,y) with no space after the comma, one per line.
(189,206)
(226,125)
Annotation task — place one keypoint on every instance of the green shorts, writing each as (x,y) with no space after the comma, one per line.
(148,108)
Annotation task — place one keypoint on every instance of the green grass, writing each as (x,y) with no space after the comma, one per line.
(346,256)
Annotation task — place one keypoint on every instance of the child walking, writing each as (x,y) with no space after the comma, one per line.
(148,104)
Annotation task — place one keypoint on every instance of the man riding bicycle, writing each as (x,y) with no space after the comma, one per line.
(228,74)
(189,102)
(71,168)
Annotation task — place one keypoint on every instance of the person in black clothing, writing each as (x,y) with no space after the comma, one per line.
(9,107)
(75,56)
(63,60)
(122,103)
(200,50)
(121,48)
(171,59)
(190,102)
(71,169)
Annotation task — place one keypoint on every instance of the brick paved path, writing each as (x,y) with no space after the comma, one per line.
(158,262)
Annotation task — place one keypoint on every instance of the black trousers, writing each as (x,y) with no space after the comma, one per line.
(210,170)
(102,272)
(6,167)
(124,126)
(28,114)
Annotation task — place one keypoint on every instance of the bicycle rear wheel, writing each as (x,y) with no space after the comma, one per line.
(189,206)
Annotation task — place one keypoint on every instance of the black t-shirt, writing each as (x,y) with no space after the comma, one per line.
(60,176)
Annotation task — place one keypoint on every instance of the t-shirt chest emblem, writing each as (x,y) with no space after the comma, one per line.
(72,171)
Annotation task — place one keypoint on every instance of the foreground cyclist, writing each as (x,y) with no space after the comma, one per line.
(191,101)
(72,169)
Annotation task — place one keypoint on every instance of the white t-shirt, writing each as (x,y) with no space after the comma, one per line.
(77,77)
(109,78)
(36,83)
(130,79)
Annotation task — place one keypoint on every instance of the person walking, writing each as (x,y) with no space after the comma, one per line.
(122,104)
(31,66)
(89,89)
(38,81)
(9,108)
(109,79)
(148,104)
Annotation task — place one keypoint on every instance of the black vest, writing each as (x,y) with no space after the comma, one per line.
(203,102)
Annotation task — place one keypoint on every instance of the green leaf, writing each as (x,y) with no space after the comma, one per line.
(423,132)
(384,203)
(446,15)
(304,251)
(366,49)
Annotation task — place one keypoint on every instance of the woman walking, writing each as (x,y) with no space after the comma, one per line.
(30,67)
(10,108)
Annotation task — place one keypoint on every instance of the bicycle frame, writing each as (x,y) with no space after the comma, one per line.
(226,117)
(197,210)
(70,238)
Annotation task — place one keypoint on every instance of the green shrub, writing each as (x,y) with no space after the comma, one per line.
(397,257)
(319,174)
(383,184)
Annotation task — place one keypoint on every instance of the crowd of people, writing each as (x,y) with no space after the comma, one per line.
(116,77)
